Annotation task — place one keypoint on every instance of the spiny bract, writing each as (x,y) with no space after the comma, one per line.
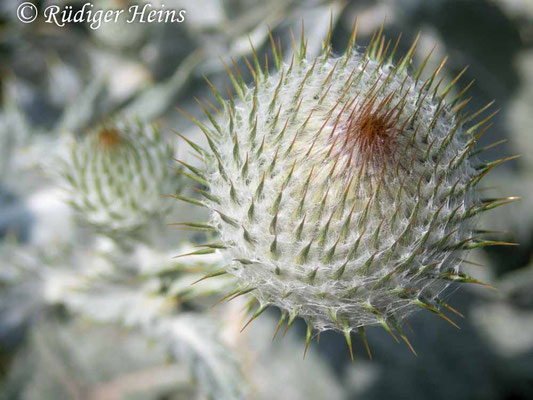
(343,188)
(116,176)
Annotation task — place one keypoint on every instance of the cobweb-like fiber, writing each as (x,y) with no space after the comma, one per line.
(342,189)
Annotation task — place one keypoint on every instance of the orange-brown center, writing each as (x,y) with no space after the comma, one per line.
(109,138)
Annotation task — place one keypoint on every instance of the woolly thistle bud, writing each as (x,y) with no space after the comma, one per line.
(116,176)
(343,188)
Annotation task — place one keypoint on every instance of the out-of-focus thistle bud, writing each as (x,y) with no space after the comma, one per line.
(117,176)
(343,189)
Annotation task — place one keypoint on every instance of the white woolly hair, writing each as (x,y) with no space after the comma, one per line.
(343,188)
(115,176)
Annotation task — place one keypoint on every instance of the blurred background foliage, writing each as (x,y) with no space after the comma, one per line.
(82,317)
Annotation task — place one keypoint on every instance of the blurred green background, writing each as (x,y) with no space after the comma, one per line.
(57,80)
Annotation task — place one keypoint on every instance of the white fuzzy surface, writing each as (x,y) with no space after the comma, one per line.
(282,279)
(120,189)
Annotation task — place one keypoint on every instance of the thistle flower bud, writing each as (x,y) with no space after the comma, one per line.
(116,177)
(343,188)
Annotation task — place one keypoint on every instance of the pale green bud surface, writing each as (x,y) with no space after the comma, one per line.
(343,189)
(116,176)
